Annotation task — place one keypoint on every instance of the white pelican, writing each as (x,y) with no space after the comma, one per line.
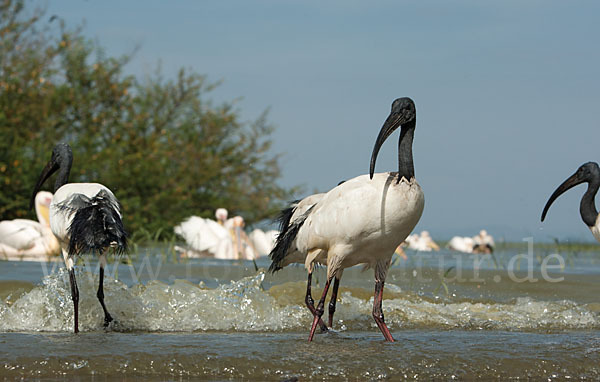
(23,239)
(429,242)
(221,215)
(243,248)
(84,217)
(588,173)
(461,244)
(263,241)
(480,243)
(206,237)
(223,239)
(364,219)
(422,242)
(483,242)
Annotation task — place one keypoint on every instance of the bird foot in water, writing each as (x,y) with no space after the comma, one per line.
(328,331)
(107,320)
(116,326)
(332,331)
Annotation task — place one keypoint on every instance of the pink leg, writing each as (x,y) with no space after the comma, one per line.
(378,313)
(310,303)
(319,311)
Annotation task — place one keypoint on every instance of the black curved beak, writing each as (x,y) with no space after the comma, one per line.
(50,168)
(573,181)
(392,122)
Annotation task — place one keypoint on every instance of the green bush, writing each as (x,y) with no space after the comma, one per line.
(163,148)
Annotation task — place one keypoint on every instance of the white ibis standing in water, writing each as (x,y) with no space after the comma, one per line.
(588,173)
(362,220)
(85,217)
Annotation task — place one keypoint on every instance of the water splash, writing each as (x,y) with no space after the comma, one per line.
(156,306)
(243,306)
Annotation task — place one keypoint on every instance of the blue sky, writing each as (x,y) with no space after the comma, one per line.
(507,93)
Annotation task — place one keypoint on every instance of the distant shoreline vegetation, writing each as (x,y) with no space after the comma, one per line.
(551,246)
(144,238)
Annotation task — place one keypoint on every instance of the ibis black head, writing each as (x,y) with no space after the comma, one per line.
(62,158)
(403,114)
(587,173)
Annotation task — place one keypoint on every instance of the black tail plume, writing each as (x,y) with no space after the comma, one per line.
(285,216)
(96,225)
(286,236)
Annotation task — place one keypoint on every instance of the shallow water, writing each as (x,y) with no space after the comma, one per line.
(453,316)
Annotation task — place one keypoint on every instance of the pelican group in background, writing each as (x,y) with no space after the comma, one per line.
(84,217)
(23,239)
(206,237)
(482,243)
(422,242)
(587,173)
(362,220)
(223,239)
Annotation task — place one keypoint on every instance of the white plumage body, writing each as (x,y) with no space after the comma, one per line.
(206,237)
(361,221)
(27,239)
(422,242)
(226,241)
(21,234)
(60,219)
(263,241)
(461,244)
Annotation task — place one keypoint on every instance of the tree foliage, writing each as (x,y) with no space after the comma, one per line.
(163,148)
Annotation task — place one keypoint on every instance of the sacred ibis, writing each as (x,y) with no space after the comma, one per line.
(85,217)
(588,173)
(362,220)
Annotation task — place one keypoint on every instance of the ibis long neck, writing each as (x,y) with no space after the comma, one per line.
(406,166)
(587,208)
(63,174)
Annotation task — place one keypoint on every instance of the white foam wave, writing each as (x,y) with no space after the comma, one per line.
(243,306)
(523,313)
